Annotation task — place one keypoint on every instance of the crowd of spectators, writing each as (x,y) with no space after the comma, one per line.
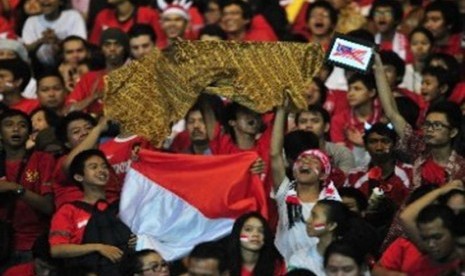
(369,180)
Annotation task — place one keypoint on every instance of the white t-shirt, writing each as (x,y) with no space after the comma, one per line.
(69,23)
(412,79)
(307,259)
(288,241)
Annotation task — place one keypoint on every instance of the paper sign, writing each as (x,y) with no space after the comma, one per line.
(350,53)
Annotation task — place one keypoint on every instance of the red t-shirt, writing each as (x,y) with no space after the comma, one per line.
(403,256)
(88,85)
(300,23)
(121,151)
(107,18)
(336,100)
(26,269)
(69,224)
(29,223)
(65,190)
(345,120)
(7,28)
(397,186)
(452,47)
(260,30)
(458,94)
(26,105)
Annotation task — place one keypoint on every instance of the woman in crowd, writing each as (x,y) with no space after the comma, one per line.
(251,249)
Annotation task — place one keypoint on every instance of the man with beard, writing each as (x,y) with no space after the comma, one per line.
(393,177)
(197,130)
(88,93)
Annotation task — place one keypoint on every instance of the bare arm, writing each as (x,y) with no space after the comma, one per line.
(77,250)
(276,152)
(41,203)
(81,105)
(381,271)
(410,213)
(387,98)
(88,143)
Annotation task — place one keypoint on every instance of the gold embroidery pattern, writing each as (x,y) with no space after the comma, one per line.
(147,96)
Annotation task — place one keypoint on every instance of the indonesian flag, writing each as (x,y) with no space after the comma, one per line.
(172,202)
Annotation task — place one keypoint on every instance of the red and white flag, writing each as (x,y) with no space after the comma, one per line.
(172,202)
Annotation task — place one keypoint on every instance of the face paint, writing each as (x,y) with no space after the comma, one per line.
(244,238)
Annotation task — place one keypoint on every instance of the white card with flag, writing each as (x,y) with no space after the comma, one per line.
(350,53)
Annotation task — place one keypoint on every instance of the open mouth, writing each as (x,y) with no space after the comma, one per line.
(304,170)
(16,138)
(103,177)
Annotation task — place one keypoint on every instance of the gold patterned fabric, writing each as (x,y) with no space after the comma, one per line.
(147,96)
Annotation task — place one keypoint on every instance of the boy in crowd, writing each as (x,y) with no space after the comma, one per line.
(51,93)
(24,186)
(386,16)
(317,120)
(14,76)
(142,40)
(384,171)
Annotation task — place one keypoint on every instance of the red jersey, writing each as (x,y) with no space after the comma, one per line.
(453,46)
(224,144)
(7,28)
(26,105)
(26,269)
(66,190)
(345,120)
(260,30)
(29,223)
(458,94)
(121,151)
(89,84)
(107,18)
(403,256)
(300,23)
(397,186)
(336,100)
(69,224)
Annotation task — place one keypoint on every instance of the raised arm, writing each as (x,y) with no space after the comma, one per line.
(409,216)
(387,98)
(276,152)
(88,143)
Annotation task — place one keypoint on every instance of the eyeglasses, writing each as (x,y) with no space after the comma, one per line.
(156,267)
(383,13)
(434,125)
